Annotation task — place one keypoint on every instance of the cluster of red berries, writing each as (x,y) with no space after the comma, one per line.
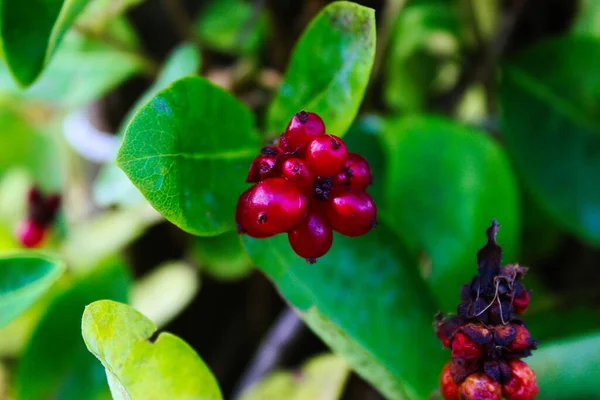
(307,185)
(486,338)
(41,214)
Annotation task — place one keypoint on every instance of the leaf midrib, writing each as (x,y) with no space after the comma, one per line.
(223,155)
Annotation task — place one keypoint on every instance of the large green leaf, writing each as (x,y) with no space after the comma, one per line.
(188,151)
(31,32)
(329,69)
(365,300)
(445,184)
(551,125)
(568,369)
(139,366)
(55,363)
(24,277)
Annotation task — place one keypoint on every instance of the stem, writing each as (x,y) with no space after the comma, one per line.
(180,20)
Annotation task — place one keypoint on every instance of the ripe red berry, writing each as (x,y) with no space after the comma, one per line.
(326,155)
(522,340)
(242,217)
(273,206)
(480,387)
(31,234)
(522,384)
(302,128)
(295,170)
(355,174)
(448,388)
(312,237)
(262,167)
(521,302)
(464,347)
(352,213)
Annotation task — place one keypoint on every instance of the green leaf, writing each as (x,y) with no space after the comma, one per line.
(366,301)
(24,277)
(329,69)
(223,256)
(549,121)
(188,151)
(32,30)
(568,369)
(99,15)
(588,18)
(445,184)
(55,363)
(322,377)
(139,366)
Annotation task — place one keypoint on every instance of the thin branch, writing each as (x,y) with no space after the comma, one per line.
(180,20)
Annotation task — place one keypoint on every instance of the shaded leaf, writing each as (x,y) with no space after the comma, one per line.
(139,367)
(223,256)
(329,69)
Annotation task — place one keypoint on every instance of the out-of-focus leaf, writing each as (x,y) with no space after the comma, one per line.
(100,14)
(486,14)
(329,69)
(139,366)
(549,121)
(588,18)
(187,151)
(232,26)
(364,299)
(223,256)
(423,42)
(445,184)
(559,323)
(31,31)
(568,369)
(163,293)
(321,378)
(55,363)
(24,277)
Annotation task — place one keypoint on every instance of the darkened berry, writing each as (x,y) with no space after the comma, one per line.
(479,386)
(312,237)
(521,302)
(270,151)
(522,384)
(352,213)
(522,341)
(448,387)
(465,347)
(273,206)
(326,155)
(355,174)
(30,233)
(262,167)
(242,217)
(303,127)
(295,170)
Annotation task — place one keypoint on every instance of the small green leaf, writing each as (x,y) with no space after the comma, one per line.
(138,366)
(587,21)
(31,32)
(24,277)
(55,363)
(568,369)
(549,121)
(223,256)
(322,377)
(445,184)
(366,301)
(329,69)
(188,151)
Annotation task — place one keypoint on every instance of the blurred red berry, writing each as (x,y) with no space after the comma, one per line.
(303,127)
(448,387)
(31,234)
(312,237)
(522,384)
(521,302)
(262,167)
(295,170)
(465,347)
(326,155)
(480,387)
(352,213)
(522,340)
(356,173)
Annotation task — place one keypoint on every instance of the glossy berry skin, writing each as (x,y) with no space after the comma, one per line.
(312,237)
(448,388)
(355,174)
(262,167)
(272,206)
(522,384)
(326,155)
(351,213)
(295,170)
(31,234)
(464,347)
(303,127)
(521,302)
(242,218)
(479,386)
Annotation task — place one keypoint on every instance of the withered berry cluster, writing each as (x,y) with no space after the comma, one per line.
(486,338)
(307,185)
(41,214)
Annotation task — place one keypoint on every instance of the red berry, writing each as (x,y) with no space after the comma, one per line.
(448,388)
(262,167)
(522,384)
(352,213)
(312,237)
(302,128)
(521,302)
(242,217)
(31,234)
(480,387)
(522,340)
(326,155)
(296,171)
(273,206)
(356,173)
(464,347)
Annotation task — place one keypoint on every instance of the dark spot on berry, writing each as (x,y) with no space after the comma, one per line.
(269,151)
(302,116)
(335,144)
(311,260)
(297,168)
(262,218)
(374,224)
(322,187)
(240,229)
